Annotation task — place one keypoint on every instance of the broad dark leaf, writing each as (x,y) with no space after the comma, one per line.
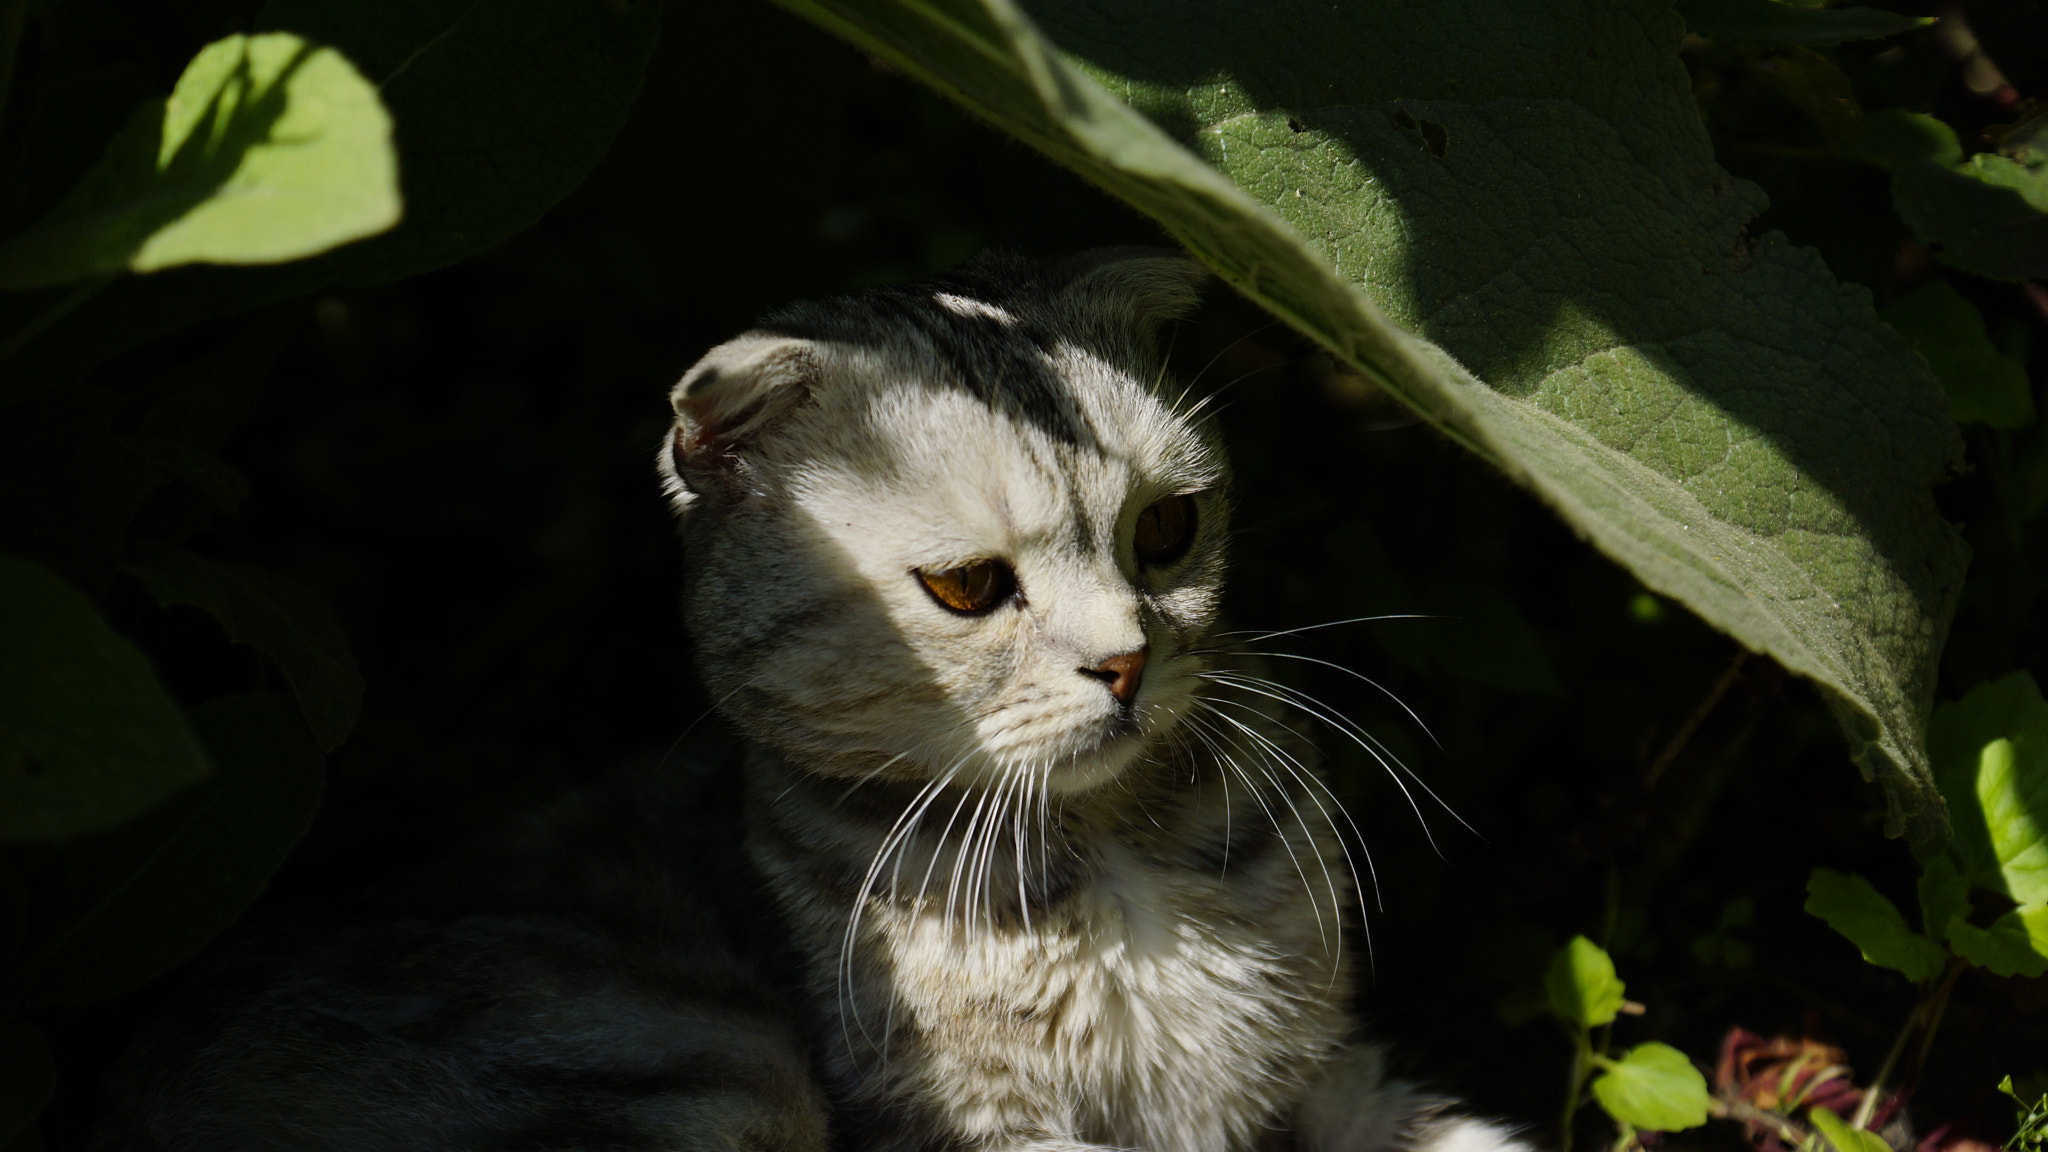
(88,738)
(117,909)
(279,617)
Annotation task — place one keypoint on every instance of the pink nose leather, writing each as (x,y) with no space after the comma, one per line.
(1121,674)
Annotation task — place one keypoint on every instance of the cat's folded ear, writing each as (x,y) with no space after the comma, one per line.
(724,402)
(1132,291)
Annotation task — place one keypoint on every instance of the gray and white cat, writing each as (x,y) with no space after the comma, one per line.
(1048,872)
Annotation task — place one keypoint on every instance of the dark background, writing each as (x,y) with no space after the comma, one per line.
(462,464)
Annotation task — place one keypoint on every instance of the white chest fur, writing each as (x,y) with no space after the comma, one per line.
(1140,1015)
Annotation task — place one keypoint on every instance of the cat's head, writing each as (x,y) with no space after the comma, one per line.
(953,527)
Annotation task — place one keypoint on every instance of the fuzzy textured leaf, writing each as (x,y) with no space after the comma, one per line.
(1531,189)
(281,618)
(1991,759)
(1582,986)
(1852,907)
(1654,1087)
(269,149)
(1769,24)
(88,737)
(132,903)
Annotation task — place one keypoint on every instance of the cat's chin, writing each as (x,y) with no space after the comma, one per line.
(1097,766)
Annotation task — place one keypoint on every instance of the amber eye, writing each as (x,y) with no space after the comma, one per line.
(971,588)
(1165,529)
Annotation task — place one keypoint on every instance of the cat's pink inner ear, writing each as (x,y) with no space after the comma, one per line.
(734,395)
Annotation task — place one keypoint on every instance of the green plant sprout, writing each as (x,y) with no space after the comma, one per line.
(1651,1087)
(2030,1123)
(1984,899)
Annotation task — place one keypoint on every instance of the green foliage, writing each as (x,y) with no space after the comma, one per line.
(141,828)
(284,620)
(1605,311)
(1582,986)
(1843,1136)
(1991,759)
(269,149)
(1873,923)
(1984,385)
(88,737)
(1513,219)
(1985,212)
(1652,1087)
(119,908)
(540,87)
(2030,1124)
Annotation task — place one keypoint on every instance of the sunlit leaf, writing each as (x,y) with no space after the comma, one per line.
(1990,755)
(501,108)
(269,149)
(1700,404)
(1654,1087)
(88,738)
(1582,986)
(1873,923)
(1842,1136)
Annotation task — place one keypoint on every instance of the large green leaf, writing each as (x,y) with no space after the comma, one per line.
(500,109)
(88,738)
(1654,1087)
(1991,759)
(1856,909)
(269,149)
(1770,23)
(1530,187)
(281,618)
(1581,984)
(119,908)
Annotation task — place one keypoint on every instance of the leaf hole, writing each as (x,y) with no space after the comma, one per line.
(1435,136)
(1987,905)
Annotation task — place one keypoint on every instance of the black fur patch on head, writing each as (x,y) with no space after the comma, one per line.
(1001,362)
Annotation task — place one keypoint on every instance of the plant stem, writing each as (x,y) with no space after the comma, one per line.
(21,337)
(1684,735)
(1933,1002)
(1582,1063)
(1935,1008)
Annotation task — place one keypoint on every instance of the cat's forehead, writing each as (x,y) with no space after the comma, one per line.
(947,384)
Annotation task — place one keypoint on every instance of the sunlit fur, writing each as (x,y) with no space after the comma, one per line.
(1030,919)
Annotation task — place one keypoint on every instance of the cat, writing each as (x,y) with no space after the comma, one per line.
(1030,862)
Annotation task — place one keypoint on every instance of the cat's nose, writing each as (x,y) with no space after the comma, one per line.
(1121,674)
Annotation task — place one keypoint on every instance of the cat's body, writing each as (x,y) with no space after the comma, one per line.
(1051,873)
